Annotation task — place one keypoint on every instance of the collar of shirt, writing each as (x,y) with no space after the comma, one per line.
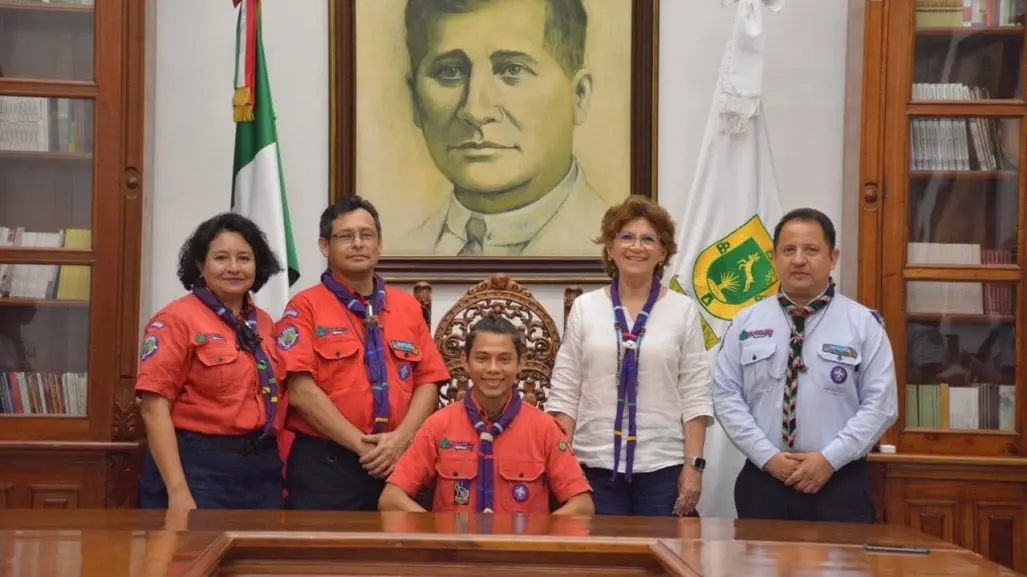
(791,300)
(484,416)
(363,299)
(517,226)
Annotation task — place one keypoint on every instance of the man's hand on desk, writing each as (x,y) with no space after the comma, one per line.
(811,474)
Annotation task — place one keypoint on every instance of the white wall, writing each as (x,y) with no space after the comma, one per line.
(193,132)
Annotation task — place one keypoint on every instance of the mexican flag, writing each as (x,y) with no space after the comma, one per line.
(725,238)
(258,184)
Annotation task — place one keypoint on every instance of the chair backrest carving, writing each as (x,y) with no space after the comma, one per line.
(500,295)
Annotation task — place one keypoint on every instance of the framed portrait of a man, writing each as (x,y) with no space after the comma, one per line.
(492,135)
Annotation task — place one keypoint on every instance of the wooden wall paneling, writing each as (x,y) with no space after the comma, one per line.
(1001,534)
(979,504)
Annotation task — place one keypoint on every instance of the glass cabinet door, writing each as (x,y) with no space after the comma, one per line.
(46,205)
(47,39)
(959,274)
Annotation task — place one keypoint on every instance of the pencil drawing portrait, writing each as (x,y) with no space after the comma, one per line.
(493,127)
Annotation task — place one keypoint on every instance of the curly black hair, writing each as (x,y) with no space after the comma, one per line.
(195,248)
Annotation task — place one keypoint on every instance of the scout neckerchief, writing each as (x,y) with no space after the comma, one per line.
(247,339)
(486,435)
(798,314)
(627,371)
(374,344)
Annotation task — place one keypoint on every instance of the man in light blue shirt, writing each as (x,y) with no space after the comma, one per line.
(804,386)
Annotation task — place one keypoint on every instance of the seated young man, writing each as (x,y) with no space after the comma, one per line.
(491,452)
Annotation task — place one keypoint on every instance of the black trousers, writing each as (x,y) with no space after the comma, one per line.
(324,476)
(844,498)
(222,472)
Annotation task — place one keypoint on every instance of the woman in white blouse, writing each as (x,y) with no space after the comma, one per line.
(631,385)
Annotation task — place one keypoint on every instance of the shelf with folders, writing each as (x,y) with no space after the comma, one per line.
(65,283)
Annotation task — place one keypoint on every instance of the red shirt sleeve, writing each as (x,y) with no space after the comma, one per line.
(416,467)
(164,356)
(431,369)
(565,476)
(294,337)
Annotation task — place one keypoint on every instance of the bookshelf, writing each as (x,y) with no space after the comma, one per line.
(71,114)
(942,250)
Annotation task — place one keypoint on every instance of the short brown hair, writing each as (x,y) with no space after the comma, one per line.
(634,207)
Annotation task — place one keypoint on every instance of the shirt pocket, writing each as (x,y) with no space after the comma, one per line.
(405,356)
(836,368)
(454,485)
(335,357)
(758,364)
(215,370)
(522,487)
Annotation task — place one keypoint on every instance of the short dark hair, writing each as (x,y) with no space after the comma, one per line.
(195,249)
(498,325)
(565,31)
(346,205)
(808,215)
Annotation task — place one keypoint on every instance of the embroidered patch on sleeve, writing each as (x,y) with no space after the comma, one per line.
(877,315)
(149,348)
(288,338)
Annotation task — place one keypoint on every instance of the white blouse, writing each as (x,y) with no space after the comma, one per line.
(674,381)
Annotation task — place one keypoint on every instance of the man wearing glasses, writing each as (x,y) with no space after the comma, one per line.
(363,370)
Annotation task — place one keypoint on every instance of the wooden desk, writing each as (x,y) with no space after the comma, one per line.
(115,543)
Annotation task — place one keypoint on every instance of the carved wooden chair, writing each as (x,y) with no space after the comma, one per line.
(498,294)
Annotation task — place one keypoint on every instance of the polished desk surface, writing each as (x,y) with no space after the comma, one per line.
(132,543)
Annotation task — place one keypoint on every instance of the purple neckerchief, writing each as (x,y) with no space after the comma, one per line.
(627,369)
(486,435)
(374,344)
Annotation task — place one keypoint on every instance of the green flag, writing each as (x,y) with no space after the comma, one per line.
(258,183)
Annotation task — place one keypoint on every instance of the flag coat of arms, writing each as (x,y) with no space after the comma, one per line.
(258,184)
(725,238)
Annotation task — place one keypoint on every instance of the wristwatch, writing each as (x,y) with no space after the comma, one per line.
(698,462)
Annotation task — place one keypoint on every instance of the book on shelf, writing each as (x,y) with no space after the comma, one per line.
(943,297)
(969,13)
(45,281)
(978,406)
(43,393)
(40,124)
(954,143)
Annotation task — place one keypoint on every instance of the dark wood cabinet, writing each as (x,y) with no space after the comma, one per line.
(941,255)
(71,156)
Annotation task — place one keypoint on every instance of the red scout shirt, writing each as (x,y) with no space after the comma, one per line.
(190,357)
(531,458)
(318,335)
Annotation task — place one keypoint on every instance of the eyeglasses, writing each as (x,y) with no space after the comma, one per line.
(629,239)
(348,237)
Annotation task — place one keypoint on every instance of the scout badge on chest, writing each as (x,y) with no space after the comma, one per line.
(462,492)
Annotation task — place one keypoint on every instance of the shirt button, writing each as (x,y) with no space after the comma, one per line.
(338,354)
(754,357)
(521,475)
(219,359)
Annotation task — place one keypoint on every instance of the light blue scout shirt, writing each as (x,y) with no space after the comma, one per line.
(847,397)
